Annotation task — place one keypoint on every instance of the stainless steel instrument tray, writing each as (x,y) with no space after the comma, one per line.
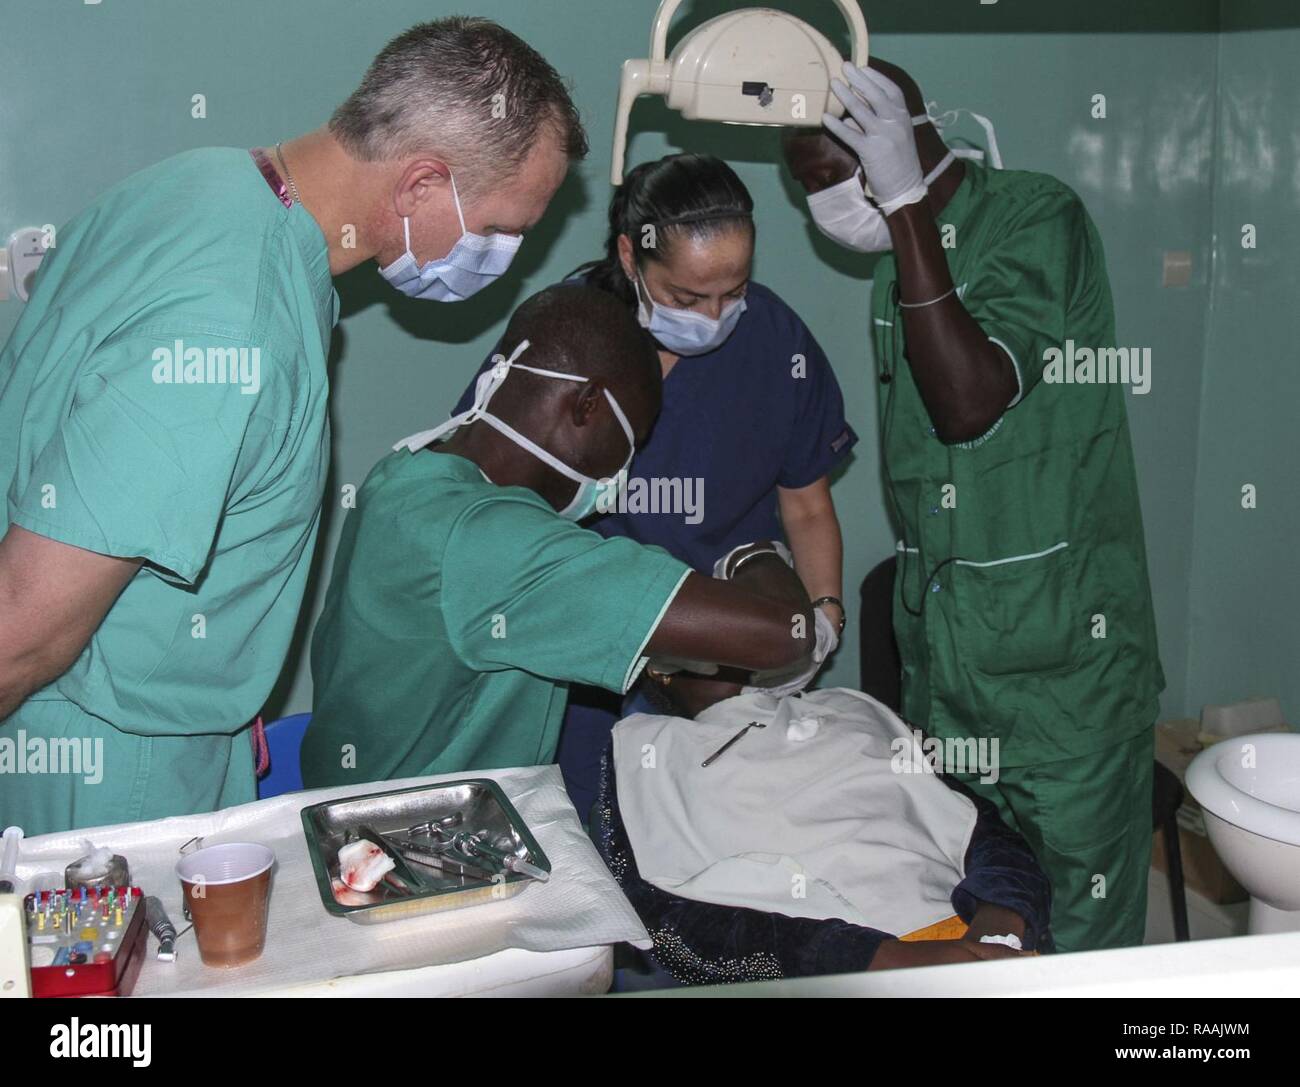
(484,806)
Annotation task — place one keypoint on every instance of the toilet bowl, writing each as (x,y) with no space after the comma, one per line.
(1249,790)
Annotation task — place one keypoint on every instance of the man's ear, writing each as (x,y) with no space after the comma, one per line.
(586,402)
(418,182)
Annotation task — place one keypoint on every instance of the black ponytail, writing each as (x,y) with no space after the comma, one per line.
(678,196)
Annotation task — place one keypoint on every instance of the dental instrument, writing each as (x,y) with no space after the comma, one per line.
(155,916)
(734,739)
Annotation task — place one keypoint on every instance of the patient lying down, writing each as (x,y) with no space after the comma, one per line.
(815,844)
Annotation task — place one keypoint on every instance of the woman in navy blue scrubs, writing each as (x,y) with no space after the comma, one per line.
(753,418)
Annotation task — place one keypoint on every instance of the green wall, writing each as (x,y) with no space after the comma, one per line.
(96,91)
(1245,600)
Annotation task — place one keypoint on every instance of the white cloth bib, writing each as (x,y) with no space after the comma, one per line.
(820,827)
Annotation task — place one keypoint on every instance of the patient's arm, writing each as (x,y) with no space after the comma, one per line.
(1005,890)
(991,920)
(901,954)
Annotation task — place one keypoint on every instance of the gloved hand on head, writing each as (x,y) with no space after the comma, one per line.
(789,681)
(778,682)
(879,131)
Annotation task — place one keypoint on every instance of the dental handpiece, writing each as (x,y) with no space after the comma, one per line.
(160,925)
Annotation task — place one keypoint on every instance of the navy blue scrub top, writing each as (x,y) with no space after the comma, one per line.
(762,411)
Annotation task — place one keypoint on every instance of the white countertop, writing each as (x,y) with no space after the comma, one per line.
(1239,966)
(583,971)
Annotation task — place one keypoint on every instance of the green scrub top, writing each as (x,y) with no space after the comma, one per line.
(163,395)
(457,615)
(1021,547)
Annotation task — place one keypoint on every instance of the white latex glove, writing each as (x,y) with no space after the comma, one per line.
(879,130)
(780,683)
(828,637)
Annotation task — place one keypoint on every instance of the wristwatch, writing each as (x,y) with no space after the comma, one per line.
(839,604)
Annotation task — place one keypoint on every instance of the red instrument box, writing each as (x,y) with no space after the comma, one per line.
(85,942)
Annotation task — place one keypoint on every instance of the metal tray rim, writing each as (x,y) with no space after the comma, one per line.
(321,872)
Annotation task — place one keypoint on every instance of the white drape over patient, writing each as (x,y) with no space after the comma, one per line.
(821,827)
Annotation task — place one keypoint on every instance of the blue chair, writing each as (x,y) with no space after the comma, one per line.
(283,742)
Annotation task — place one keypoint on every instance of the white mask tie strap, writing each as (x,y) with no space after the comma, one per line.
(456,196)
(488,383)
(943,120)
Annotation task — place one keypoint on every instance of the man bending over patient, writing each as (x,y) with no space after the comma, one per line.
(465,597)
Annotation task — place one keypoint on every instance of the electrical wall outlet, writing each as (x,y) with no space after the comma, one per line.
(1177,268)
(26,250)
(15,980)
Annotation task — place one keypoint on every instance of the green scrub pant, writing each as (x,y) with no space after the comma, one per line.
(75,770)
(1088,821)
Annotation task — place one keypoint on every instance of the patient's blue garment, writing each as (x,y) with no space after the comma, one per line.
(700,943)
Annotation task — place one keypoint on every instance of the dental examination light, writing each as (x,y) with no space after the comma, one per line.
(757,66)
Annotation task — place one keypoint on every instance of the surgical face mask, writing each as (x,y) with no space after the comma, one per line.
(845,215)
(682,331)
(474,262)
(592,494)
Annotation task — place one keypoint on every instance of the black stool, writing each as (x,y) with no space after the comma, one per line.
(881,669)
(1166,798)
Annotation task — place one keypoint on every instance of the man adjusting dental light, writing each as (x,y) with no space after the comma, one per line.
(1022,610)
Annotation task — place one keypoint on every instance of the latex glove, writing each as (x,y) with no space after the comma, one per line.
(879,131)
(784,682)
(828,636)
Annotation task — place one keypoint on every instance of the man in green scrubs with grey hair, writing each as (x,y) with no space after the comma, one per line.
(1022,609)
(164,436)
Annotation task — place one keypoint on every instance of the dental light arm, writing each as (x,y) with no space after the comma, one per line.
(755,66)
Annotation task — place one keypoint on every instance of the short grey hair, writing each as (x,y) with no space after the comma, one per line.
(461,86)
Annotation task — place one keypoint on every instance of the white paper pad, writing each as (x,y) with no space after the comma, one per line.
(581,905)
